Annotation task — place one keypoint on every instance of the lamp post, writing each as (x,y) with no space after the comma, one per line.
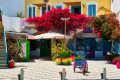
(65,19)
(46,1)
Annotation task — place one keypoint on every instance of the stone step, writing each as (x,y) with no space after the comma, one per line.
(3,65)
(2,62)
(2,47)
(2,58)
(2,50)
(2,54)
(1,44)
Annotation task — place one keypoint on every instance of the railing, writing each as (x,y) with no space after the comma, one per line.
(5,43)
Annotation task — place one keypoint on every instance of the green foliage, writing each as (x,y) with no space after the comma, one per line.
(14,49)
(20,15)
(117,58)
(12,60)
(80,58)
(54,58)
(60,48)
(64,54)
(72,53)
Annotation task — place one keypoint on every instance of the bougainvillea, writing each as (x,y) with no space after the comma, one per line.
(106,26)
(51,21)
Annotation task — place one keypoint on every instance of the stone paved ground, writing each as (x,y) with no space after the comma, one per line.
(47,70)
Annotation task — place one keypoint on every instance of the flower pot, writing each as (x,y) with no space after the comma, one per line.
(58,61)
(69,60)
(114,61)
(107,57)
(65,61)
(11,64)
(72,58)
(118,64)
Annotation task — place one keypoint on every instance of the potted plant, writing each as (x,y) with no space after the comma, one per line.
(11,63)
(118,62)
(72,55)
(58,61)
(64,56)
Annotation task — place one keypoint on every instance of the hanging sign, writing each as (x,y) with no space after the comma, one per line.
(46,1)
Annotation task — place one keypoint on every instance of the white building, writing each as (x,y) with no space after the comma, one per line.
(116,7)
(11,7)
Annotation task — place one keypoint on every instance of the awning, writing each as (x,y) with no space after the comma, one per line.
(50,35)
(74,3)
(40,4)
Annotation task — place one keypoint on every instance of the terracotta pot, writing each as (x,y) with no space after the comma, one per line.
(11,64)
(72,57)
(114,61)
(118,64)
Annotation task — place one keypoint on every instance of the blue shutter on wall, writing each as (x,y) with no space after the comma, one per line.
(92,10)
(58,7)
(30,9)
(33,11)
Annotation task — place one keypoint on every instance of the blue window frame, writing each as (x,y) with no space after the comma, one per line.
(99,45)
(76,9)
(80,45)
(58,7)
(32,12)
(92,10)
(44,9)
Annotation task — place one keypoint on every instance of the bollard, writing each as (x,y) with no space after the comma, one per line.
(101,75)
(21,74)
(63,74)
(104,73)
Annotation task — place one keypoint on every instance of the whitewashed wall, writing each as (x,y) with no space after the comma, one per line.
(116,7)
(11,7)
(13,23)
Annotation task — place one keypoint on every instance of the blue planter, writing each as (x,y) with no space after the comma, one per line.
(106,47)
(88,30)
(79,62)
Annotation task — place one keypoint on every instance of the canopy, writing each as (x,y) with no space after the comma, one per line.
(52,35)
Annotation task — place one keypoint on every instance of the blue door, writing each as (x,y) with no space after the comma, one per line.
(90,47)
(76,9)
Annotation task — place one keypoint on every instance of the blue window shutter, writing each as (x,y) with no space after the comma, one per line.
(48,8)
(33,11)
(94,10)
(58,7)
(30,9)
(90,10)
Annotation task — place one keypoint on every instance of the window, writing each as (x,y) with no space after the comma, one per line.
(58,7)
(44,10)
(99,45)
(32,12)
(92,10)
(80,45)
(76,9)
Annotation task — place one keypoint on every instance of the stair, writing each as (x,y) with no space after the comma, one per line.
(2,55)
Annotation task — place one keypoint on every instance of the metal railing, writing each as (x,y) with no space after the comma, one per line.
(5,43)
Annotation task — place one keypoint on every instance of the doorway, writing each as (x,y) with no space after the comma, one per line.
(90,47)
(45,48)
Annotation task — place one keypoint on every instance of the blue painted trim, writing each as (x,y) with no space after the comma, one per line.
(73,7)
(4,36)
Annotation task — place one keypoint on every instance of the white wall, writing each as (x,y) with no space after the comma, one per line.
(11,7)
(116,7)
(13,23)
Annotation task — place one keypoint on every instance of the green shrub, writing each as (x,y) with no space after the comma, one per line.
(117,58)
(64,54)
(79,58)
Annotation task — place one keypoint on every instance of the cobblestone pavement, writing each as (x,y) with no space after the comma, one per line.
(47,70)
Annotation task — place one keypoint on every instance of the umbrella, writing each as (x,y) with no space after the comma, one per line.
(51,35)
